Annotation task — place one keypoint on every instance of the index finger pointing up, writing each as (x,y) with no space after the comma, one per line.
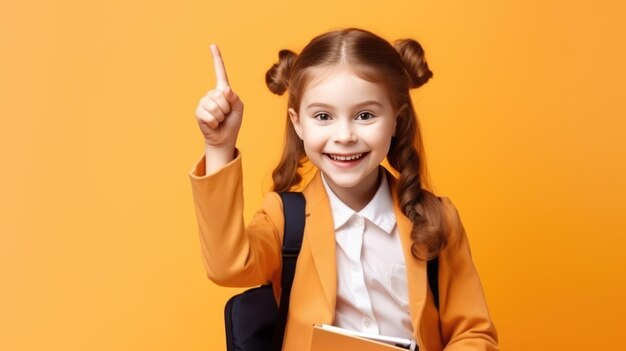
(220,70)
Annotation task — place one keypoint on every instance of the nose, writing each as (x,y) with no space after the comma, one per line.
(344,133)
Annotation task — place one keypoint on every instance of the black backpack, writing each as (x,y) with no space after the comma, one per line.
(253,322)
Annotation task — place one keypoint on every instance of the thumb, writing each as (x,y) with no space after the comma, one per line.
(230,95)
(233,99)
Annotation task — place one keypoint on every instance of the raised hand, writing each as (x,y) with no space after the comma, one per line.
(220,111)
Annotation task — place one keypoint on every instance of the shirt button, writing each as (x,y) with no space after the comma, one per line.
(367,323)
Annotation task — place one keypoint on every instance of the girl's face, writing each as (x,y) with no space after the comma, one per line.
(346,124)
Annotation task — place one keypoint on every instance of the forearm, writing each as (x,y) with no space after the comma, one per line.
(233,254)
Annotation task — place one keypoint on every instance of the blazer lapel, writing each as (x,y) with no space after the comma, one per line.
(320,233)
(415,269)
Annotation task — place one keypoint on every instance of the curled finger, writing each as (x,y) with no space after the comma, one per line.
(211,107)
(204,117)
(219,97)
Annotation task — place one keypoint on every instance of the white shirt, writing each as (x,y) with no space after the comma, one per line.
(372,291)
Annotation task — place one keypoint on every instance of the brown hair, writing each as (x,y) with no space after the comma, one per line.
(399,68)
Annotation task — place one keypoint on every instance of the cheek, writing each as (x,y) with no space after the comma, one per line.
(313,139)
(378,139)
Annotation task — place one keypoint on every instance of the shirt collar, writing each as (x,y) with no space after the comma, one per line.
(378,211)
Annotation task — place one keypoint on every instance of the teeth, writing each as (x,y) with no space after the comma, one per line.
(345,158)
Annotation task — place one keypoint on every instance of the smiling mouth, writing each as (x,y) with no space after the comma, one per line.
(346,158)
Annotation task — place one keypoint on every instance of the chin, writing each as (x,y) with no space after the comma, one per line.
(343,181)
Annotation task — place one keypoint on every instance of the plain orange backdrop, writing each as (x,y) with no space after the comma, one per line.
(524,126)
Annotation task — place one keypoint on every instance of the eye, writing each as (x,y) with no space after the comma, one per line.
(365,116)
(322,116)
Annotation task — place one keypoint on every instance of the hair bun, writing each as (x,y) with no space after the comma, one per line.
(415,64)
(277,77)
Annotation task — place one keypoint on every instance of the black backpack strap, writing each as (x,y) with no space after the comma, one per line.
(432,269)
(294,205)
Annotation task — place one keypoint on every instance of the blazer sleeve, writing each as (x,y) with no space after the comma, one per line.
(465,320)
(233,254)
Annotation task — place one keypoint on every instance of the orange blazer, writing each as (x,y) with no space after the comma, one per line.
(236,255)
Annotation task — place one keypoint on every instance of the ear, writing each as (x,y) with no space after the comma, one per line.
(295,120)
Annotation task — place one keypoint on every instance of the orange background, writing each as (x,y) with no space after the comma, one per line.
(524,126)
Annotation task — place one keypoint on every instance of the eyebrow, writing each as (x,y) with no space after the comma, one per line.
(364,103)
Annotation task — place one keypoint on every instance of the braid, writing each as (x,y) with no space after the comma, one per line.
(422,207)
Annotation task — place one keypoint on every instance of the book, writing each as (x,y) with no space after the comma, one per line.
(330,338)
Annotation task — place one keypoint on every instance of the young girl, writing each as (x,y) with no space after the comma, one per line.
(368,233)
